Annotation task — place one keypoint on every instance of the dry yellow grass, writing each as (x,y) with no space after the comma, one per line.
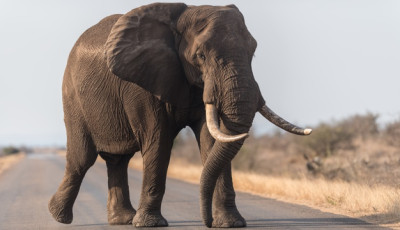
(7,161)
(379,204)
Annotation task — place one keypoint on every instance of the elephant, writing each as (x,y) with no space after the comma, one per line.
(133,81)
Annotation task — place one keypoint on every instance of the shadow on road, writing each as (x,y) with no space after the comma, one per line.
(318,223)
(384,218)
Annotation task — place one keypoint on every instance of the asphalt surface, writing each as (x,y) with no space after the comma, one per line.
(26,188)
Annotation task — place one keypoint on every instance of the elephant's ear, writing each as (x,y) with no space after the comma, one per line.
(141,49)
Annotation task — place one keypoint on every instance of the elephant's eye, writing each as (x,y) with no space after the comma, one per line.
(201,56)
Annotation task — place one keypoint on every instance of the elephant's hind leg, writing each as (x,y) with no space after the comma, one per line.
(81,155)
(119,207)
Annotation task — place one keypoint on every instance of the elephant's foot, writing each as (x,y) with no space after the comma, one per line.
(146,219)
(59,211)
(228,220)
(121,217)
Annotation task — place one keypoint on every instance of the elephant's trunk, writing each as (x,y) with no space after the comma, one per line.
(214,165)
(236,108)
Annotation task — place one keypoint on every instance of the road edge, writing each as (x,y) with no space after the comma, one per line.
(8,161)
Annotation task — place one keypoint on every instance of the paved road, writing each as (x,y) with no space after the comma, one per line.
(26,188)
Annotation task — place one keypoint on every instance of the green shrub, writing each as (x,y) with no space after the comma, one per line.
(10,150)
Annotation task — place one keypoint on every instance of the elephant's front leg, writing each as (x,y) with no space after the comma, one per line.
(225,212)
(155,165)
(119,207)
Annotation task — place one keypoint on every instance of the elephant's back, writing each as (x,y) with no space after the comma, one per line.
(89,49)
(96,36)
(86,64)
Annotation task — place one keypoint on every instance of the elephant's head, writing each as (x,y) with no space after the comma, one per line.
(170,49)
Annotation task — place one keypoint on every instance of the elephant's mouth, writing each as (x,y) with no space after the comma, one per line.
(213,127)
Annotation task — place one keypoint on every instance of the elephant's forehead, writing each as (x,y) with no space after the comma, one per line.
(206,16)
(222,37)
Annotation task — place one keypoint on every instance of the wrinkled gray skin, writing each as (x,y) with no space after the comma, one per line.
(133,81)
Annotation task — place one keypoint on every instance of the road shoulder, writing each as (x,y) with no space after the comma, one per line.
(8,161)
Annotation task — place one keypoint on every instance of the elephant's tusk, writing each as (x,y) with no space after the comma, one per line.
(282,123)
(213,127)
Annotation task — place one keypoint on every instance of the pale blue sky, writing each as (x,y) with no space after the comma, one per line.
(317,60)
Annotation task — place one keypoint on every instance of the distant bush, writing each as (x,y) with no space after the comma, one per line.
(391,133)
(185,147)
(325,140)
(245,160)
(363,126)
(10,150)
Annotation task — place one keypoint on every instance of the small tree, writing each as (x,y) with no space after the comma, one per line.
(10,150)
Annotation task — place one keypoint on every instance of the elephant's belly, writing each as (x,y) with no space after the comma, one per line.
(110,137)
(117,146)
(110,129)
